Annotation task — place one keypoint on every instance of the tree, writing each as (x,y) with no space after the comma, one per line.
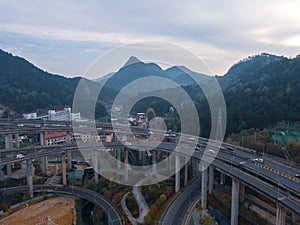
(207,220)
(266,134)
(147,219)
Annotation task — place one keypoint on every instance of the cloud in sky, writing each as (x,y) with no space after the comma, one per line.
(65,36)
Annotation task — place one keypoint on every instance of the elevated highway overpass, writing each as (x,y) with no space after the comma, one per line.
(273,179)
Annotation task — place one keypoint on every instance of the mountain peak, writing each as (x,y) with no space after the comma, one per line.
(252,64)
(132,60)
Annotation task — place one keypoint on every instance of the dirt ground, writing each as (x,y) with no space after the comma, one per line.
(54,211)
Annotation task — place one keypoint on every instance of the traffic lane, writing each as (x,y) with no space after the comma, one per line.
(281,167)
(283,181)
(176,211)
(256,183)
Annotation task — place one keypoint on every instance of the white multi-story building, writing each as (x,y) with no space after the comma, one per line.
(76,116)
(63,114)
(30,116)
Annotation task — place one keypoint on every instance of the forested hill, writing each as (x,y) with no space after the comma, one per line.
(259,91)
(26,88)
(267,91)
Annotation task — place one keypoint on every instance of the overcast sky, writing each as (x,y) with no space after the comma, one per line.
(65,37)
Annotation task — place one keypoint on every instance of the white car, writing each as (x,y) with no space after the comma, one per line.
(20,156)
(149,154)
(191,139)
(210,151)
(260,160)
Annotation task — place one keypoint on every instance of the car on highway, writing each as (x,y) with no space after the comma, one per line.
(20,156)
(127,143)
(260,160)
(297,175)
(229,148)
(204,143)
(210,151)
(149,154)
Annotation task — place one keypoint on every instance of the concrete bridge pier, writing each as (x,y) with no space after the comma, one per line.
(154,165)
(295,218)
(203,185)
(169,161)
(17,140)
(44,159)
(280,215)
(141,155)
(222,178)
(69,154)
(186,167)
(177,173)
(118,152)
(44,164)
(8,141)
(8,169)
(235,201)
(64,168)
(242,192)
(8,145)
(42,138)
(69,159)
(196,166)
(96,166)
(211,179)
(68,138)
(29,177)
(126,165)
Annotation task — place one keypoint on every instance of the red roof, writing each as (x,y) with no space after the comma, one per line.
(55,135)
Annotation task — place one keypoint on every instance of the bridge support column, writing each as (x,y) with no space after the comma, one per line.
(295,218)
(118,152)
(242,192)
(222,178)
(280,215)
(177,173)
(17,140)
(8,144)
(169,161)
(64,168)
(186,167)
(203,185)
(96,167)
(68,138)
(196,166)
(44,164)
(44,159)
(69,154)
(126,165)
(235,201)
(8,141)
(69,158)
(154,165)
(29,177)
(8,169)
(42,138)
(211,179)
